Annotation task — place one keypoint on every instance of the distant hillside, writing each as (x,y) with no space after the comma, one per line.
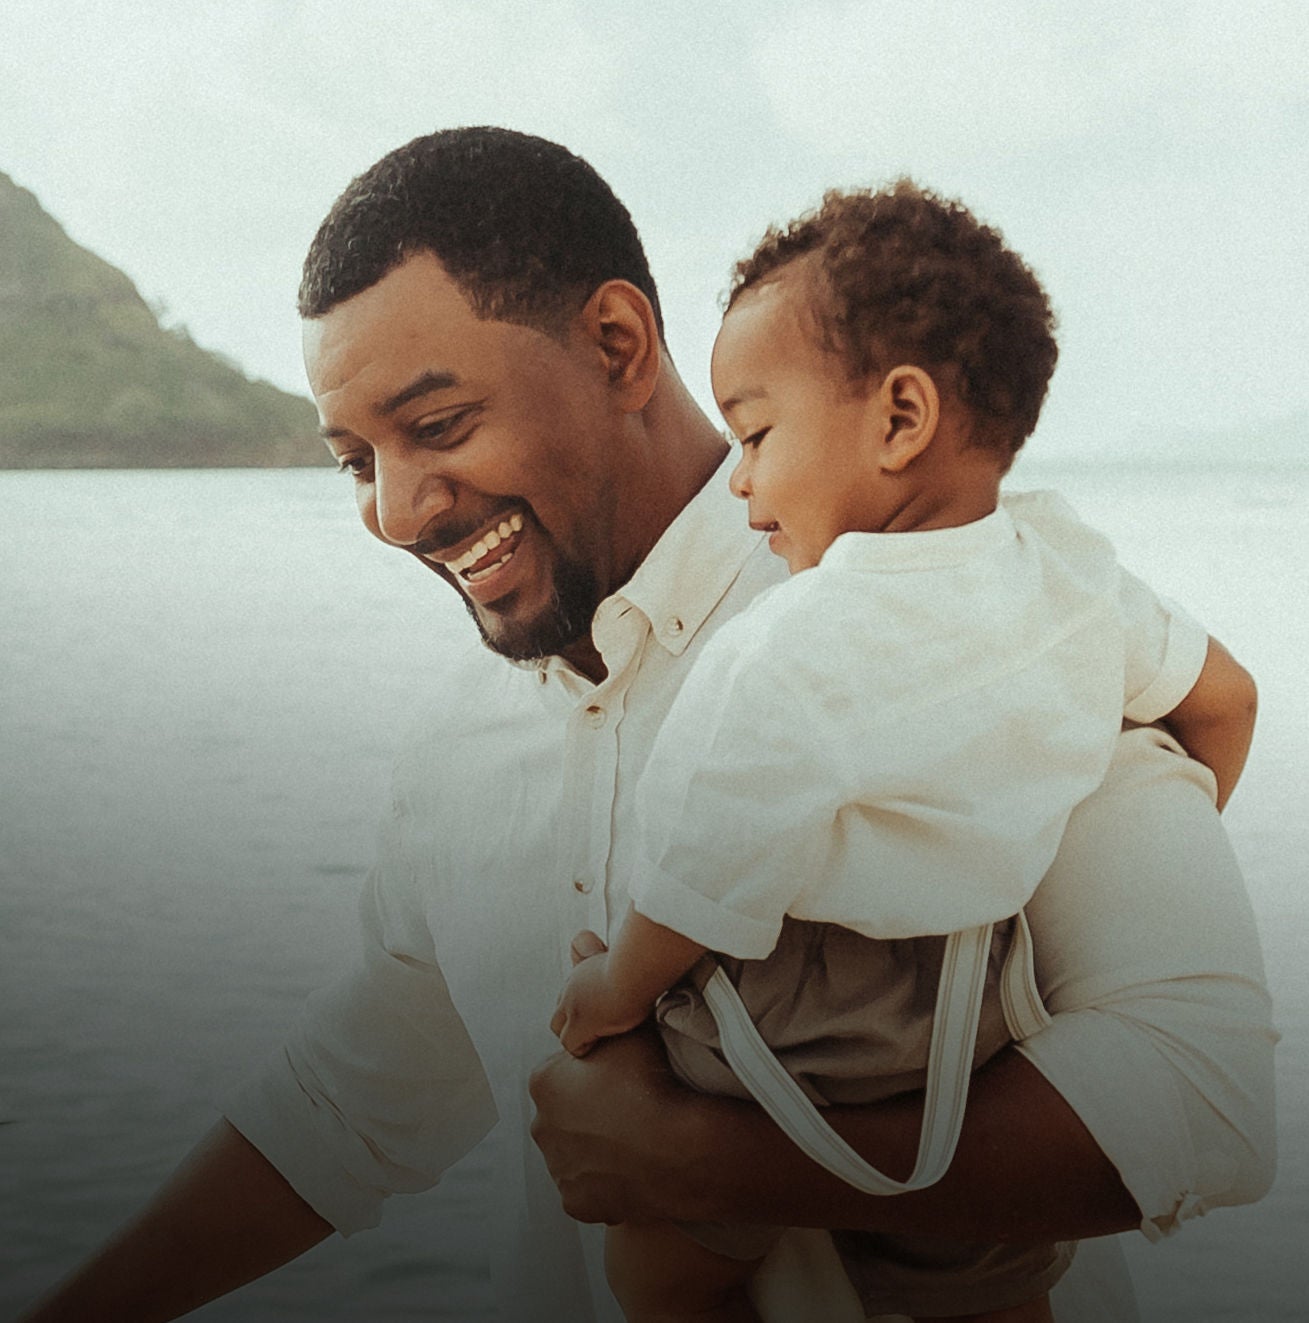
(89,379)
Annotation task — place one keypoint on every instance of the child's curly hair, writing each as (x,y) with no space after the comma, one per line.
(907,276)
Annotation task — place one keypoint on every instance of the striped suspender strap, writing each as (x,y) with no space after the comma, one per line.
(1024,1011)
(949,1064)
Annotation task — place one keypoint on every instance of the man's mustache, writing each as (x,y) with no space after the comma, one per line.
(438,538)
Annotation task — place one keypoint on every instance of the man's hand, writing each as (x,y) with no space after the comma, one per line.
(598,1123)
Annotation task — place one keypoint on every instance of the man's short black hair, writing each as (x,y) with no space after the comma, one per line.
(527,230)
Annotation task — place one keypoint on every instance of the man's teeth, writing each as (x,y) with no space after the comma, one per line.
(486,544)
(490,569)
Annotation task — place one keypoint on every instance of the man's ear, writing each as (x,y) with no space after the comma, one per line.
(910,410)
(620,321)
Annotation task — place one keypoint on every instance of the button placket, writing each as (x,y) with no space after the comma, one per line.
(590,766)
(593,748)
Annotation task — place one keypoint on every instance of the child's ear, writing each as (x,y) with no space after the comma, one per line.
(910,411)
(620,321)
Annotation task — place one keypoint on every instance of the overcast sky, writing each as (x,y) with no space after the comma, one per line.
(1149,159)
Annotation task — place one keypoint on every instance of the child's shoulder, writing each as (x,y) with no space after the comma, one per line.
(773,613)
(789,623)
(1039,504)
(1049,516)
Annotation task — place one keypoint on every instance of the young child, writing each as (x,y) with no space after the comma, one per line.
(889,744)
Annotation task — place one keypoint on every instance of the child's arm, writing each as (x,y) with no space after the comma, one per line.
(1215,721)
(613,992)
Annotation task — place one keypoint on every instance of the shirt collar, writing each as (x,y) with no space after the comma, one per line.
(684,576)
(691,567)
(930,549)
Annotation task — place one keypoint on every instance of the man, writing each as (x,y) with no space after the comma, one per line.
(484,342)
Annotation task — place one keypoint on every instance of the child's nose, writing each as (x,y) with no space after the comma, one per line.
(739,482)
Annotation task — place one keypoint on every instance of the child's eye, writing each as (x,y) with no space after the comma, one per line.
(751,441)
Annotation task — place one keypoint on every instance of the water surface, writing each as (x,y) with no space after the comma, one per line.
(202,681)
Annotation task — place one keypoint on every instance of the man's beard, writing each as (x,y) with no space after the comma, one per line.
(574,596)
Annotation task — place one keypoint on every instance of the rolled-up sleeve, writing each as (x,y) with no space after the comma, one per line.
(1148,959)
(379,1088)
(1165,653)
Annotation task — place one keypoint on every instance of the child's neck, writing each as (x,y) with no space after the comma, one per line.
(965,491)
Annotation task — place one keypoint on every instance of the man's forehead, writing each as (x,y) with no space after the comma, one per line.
(415,319)
(417,293)
(412,333)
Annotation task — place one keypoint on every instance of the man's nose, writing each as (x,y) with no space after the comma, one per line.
(408,494)
(739,482)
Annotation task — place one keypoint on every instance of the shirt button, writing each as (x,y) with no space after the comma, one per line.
(595,716)
(583,885)
(673,626)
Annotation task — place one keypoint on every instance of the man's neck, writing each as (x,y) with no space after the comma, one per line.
(688,451)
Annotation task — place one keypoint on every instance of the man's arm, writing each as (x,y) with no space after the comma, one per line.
(1147,1100)
(224,1218)
(625,1140)
(378,1089)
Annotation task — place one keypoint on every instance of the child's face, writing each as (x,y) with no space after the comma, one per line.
(804,468)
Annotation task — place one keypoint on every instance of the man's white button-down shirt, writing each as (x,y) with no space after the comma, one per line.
(512,829)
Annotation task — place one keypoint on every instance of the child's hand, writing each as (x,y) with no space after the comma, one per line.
(589,1009)
(611,992)
(580,1004)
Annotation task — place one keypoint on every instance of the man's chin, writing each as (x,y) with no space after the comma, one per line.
(547,634)
(521,632)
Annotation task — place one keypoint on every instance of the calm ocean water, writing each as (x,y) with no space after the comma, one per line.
(204,675)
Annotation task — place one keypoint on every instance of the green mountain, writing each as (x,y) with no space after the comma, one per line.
(89,379)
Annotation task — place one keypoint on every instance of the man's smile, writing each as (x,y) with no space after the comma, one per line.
(479,562)
(495,546)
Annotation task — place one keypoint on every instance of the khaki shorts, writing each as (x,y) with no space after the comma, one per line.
(851,1019)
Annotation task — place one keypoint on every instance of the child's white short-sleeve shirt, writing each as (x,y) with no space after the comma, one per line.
(893,740)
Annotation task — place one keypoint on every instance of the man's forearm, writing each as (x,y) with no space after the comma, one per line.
(1026,1168)
(626,1141)
(225,1217)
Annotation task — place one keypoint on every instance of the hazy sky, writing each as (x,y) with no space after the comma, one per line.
(1150,159)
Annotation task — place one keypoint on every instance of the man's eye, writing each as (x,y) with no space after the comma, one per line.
(444,431)
(355,465)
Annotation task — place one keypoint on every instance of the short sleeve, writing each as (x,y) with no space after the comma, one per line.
(1165,651)
(740,792)
(1164,647)
(806,770)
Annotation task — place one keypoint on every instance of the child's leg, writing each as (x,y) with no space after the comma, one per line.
(660,1275)
(1030,1311)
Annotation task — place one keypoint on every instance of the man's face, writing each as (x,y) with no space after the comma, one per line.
(481,447)
(803,468)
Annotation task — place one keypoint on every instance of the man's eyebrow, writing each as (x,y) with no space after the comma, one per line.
(423,384)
